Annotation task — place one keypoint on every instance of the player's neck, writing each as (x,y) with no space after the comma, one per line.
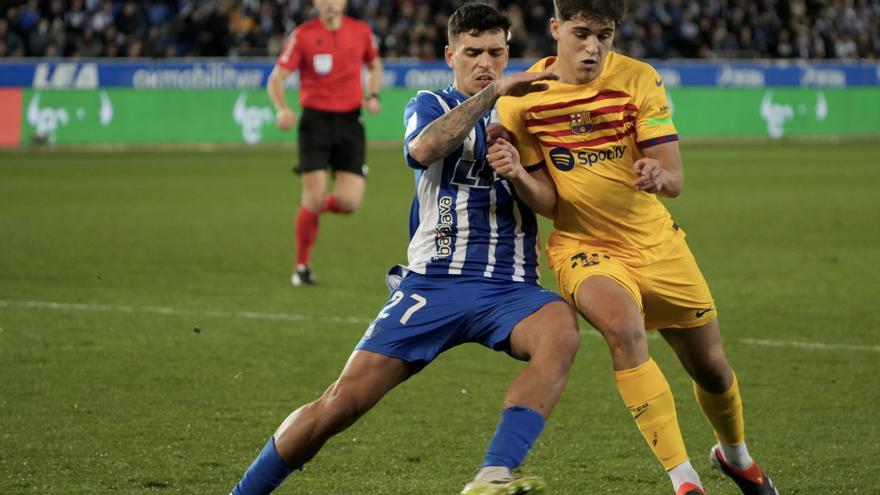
(456,87)
(331,23)
(569,76)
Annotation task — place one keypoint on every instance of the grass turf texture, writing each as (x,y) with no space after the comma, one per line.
(114,394)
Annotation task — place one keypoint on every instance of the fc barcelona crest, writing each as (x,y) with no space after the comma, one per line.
(580,123)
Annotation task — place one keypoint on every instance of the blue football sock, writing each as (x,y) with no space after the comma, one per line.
(517,431)
(265,473)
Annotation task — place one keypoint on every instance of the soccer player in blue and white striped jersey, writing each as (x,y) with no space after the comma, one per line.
(471,276)
(465,220)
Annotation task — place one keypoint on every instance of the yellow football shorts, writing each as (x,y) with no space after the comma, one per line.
(670,292)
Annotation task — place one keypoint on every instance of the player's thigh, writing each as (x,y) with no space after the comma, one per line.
(349,188)
(514,317)
(601,288)
(611,307)
(675,293)
(550,331)
(366,378)
(314,185)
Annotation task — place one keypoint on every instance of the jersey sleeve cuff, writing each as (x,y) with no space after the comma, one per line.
(413,163)
(285,66)
(535,167)
(657,140)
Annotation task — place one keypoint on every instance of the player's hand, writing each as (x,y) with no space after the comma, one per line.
(523,83)
(285,119)
(494,131)
(373,105)
(650,175)
(504,159)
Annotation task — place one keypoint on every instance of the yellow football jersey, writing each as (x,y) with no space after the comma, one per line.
(589,136)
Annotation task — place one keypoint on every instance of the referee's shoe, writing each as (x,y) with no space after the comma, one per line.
(302,275)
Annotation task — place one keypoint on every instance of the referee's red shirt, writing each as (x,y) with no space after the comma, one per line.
(329,63)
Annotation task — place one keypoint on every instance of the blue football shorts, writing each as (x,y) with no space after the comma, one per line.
(426,315)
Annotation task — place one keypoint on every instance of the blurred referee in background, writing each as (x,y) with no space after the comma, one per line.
(329,52)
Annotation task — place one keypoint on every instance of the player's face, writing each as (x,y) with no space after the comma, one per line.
(476,61)
(582,45)
(330,9)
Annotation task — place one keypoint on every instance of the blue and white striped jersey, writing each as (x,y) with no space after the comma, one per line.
(465,219)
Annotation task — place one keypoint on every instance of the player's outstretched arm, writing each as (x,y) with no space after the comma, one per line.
(444,135)
(284,116)
(660,171)
(536,189)
(523,83)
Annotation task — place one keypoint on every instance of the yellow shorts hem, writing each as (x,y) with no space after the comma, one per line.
(705,320)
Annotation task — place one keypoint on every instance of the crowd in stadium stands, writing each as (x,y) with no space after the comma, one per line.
(815,29)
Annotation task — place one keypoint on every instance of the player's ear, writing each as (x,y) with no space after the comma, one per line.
(448,51)
(554,28)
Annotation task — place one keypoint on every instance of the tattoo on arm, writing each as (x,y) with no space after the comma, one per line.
(445,134)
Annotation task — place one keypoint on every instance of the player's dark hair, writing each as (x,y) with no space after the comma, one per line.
(475,19)
(600,10)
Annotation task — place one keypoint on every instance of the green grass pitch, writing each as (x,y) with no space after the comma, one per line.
(150,341)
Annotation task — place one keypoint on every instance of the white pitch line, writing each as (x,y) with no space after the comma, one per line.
(811,345)
(166,310)
(352,320)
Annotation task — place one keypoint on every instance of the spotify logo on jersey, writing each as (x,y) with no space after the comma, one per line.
(562,159)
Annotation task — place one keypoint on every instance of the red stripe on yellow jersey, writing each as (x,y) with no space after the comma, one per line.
(589,135)
(585,101)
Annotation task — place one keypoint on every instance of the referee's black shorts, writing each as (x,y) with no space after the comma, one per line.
(331,139)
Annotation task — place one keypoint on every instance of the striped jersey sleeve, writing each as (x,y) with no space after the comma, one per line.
(421,110)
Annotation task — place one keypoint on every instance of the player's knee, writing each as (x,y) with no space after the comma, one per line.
(713,377)
(347,204)
(558,348)
(314,419)
(339,408)
(624,335)
(566,342)
(311,202)
(313,197)
(558,338)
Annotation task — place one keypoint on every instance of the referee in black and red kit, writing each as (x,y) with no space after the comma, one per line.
(329,52)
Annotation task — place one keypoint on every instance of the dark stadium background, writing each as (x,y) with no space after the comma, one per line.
(795,29)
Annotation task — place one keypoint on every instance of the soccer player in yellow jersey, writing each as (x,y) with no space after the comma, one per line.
(605,137)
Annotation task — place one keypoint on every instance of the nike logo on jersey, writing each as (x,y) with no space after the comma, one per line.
(701,312)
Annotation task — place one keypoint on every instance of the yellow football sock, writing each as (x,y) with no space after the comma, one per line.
(725,412)
(647,395)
